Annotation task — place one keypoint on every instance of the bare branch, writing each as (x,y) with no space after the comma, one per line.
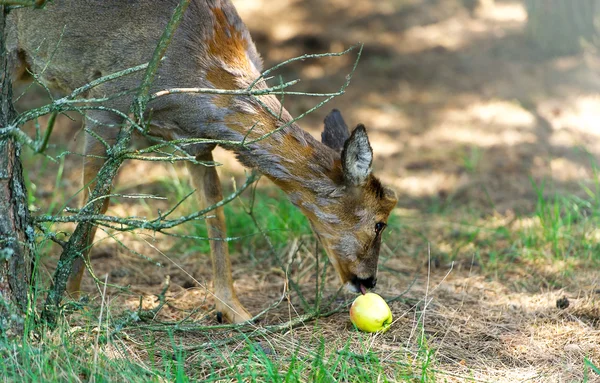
(157,224)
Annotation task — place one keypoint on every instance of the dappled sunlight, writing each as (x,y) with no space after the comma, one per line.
(284,31)
(384,117)
(582,115)
(449,132)
(485,124)
(385,146)
(458,32)
(452,34)
(426,184)
(504,12)
(566,170)
(498,112)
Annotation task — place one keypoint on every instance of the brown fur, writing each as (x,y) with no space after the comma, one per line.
(206,181)
(227,43)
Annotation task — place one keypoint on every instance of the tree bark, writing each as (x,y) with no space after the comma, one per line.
(16,232)
(560,27)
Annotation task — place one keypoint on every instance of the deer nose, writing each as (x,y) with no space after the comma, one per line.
(368,283)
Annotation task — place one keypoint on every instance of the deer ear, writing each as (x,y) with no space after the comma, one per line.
(335,132)
(357,157)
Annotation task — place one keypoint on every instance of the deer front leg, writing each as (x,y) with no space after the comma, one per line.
(94,153)
(208,191)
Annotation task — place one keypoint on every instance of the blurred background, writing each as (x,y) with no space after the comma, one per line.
(464,99)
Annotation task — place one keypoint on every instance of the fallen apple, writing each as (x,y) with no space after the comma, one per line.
(370,313)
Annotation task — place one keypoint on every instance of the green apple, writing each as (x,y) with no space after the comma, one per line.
(370,313)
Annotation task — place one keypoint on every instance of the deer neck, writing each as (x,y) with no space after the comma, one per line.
(300,165)
(308,171)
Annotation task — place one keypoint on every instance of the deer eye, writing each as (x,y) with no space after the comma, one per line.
(379,226)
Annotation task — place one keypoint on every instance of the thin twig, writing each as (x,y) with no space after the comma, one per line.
(233,92)
(156,224)
(96,350)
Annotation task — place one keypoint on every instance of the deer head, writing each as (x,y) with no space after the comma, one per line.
(358,209)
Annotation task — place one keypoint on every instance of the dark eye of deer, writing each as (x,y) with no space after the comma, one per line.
(379,226)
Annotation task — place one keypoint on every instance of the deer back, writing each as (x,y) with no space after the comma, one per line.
(71,42)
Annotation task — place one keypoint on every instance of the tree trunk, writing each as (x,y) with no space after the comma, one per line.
(561,27)
(16,232)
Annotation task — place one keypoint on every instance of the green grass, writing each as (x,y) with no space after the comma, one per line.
(248,219)
(560,230)
(591,371)
(70,357)
(63,363)
(78,351)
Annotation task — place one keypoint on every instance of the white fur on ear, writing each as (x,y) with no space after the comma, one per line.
(357,157)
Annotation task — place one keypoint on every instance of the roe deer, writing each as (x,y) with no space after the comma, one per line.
(71,43)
